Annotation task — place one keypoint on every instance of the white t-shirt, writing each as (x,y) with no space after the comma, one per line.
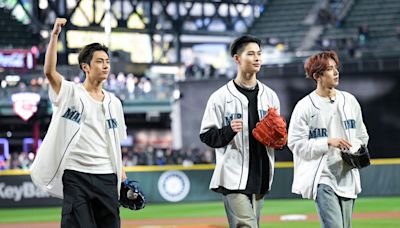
(91,154)
(334,173)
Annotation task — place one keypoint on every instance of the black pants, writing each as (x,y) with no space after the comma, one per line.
(90,200)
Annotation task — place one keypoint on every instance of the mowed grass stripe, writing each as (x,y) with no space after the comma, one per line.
(203,209)
(27,215)
(174,210)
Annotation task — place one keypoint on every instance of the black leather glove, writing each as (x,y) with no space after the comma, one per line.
(131,196)
(358,160)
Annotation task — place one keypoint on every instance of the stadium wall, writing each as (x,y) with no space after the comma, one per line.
(164,184)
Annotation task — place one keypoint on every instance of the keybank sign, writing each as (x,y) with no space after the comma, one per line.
(27,190)
(19,191)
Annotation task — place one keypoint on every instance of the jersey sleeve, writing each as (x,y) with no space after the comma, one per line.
(212,131)
(65,91)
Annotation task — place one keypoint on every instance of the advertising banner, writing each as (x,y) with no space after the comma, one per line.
(17,59)
(177,184)
(19,191)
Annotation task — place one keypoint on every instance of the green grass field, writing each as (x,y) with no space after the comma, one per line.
(216,209)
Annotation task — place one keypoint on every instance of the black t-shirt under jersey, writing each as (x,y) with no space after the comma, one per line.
(258,178)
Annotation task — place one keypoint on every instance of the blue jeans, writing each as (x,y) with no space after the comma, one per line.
(243,210)
(334,211)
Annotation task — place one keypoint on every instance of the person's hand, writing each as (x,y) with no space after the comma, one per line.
(236,125)
(60,22)
(123,176)
(342,144)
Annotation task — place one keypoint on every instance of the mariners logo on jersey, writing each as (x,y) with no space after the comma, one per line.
(229,117)
(72,114)
(112,123)
(318,133)
(262,113)
(349,124)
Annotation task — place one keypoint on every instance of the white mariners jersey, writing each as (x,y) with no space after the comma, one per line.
(91,154)
(308,139)
(232,161)
(64,132)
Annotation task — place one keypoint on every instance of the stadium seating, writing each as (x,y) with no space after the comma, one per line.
(14,34)
(283,20)
(382,18)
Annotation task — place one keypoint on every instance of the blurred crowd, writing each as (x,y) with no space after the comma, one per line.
(138,155)
(352,45)
(20,160)
(131,156)
(130,87)
(125,86)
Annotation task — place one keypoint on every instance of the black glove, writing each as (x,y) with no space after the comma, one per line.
(358,160)
(130,195)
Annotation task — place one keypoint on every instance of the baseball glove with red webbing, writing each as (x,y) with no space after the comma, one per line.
(271,130)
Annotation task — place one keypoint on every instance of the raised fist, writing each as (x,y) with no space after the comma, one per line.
(60,22)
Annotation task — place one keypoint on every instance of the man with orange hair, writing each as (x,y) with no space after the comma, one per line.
(324,123)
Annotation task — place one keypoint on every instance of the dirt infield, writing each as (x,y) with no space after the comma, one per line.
(211,222)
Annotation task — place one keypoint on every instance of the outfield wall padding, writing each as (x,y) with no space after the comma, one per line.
(188,184)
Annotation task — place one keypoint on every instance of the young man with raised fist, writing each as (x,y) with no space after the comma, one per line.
(80,157)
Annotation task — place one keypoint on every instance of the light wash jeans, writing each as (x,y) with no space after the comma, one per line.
(243,212)
(334,211)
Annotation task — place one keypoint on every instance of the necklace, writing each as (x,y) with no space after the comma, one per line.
(244,86)
(332,99)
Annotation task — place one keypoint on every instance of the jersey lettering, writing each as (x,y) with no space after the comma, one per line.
(349,124)
(112,123)
(318,133)
(231,117)
(72,114)
(262,113)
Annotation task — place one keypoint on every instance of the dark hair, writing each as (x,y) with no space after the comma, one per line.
(318,63)
(238,44)
(86,54)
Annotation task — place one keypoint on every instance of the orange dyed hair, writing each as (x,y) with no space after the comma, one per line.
(318,63)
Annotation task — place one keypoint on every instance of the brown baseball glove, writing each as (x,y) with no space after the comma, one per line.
(271,130)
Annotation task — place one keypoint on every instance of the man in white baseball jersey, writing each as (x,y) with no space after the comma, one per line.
(80,157)
(323,123)
(244,167)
